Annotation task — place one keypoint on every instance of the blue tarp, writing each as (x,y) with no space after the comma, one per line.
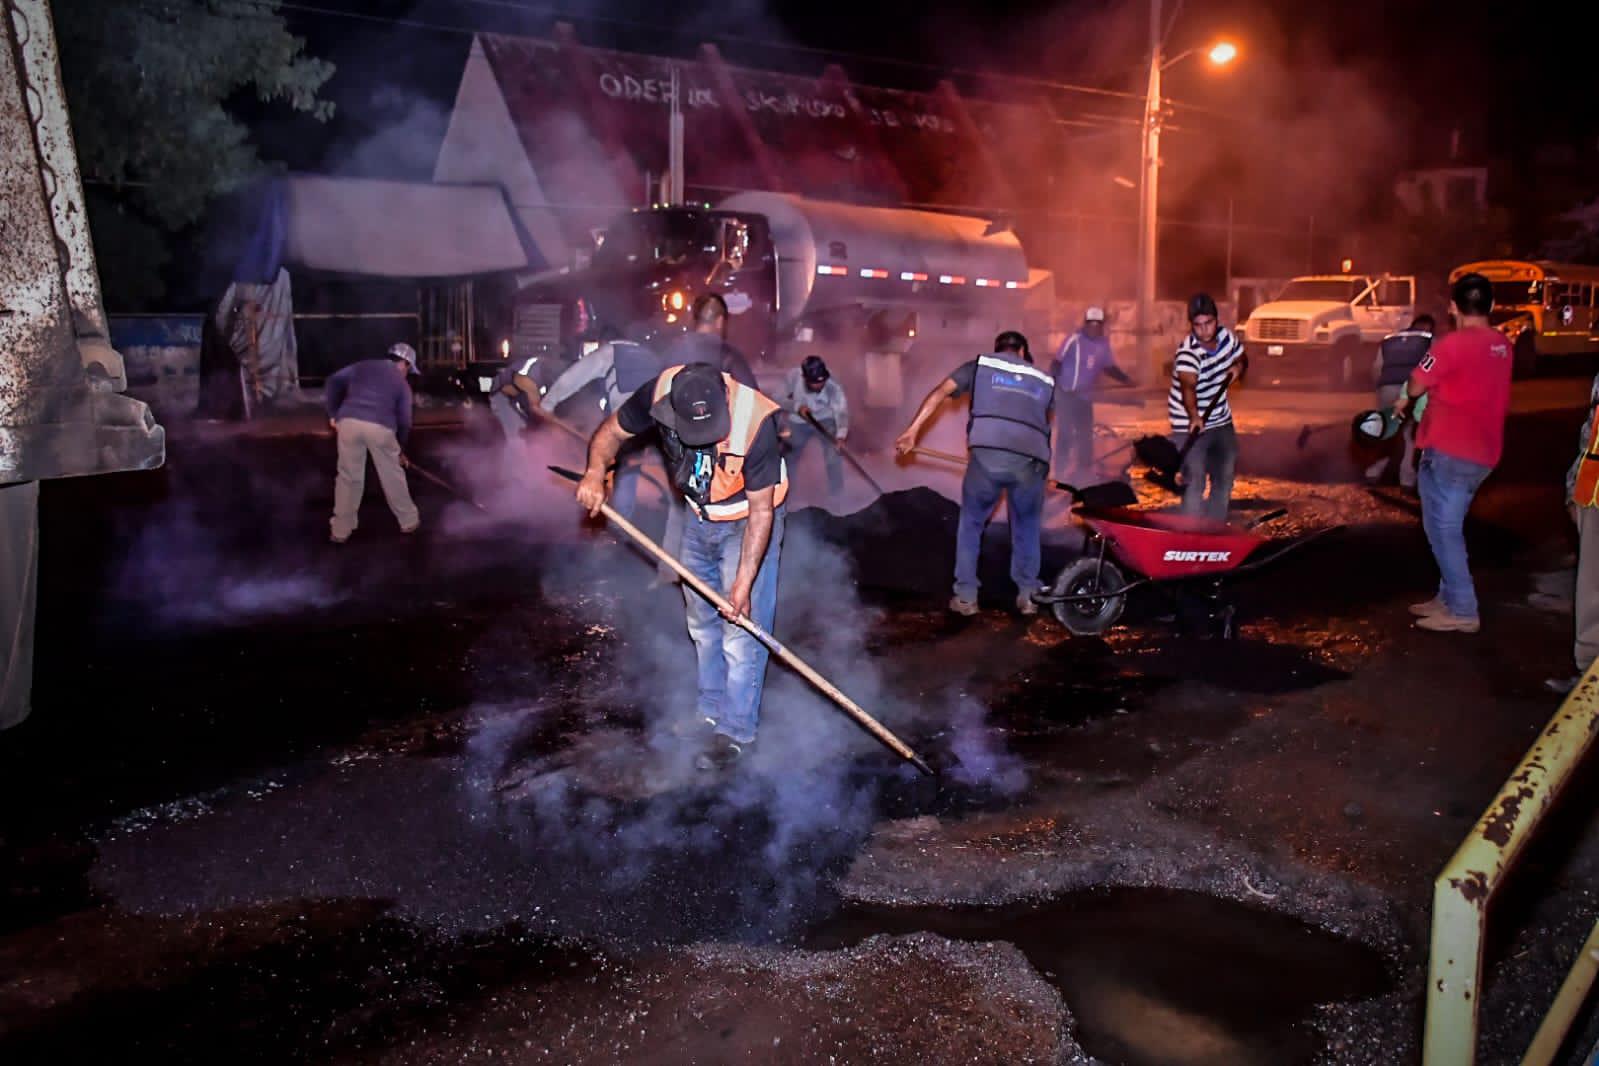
(262,254)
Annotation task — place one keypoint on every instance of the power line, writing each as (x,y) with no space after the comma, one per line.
(754,42)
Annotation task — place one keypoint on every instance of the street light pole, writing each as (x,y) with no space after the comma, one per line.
(1148,211)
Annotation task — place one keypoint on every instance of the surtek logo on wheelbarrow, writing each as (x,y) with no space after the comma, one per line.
(1197,557)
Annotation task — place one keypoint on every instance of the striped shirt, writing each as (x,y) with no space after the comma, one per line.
(1212,368)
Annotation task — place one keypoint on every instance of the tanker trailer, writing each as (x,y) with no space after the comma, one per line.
(891,298)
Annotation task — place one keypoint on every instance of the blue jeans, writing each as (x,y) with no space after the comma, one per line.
(732,664)
(1214,459)
(1074,435)
(1447,486)
(1021,481)
(801,433)
(624,489)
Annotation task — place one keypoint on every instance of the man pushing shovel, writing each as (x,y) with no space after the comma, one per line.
(720,442)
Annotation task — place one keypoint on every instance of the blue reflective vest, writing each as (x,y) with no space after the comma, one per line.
(1011,401)
(632,366)
(1402,352)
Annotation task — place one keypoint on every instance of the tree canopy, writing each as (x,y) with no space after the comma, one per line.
(153,88)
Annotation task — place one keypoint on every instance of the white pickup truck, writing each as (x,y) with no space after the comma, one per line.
(1326,327)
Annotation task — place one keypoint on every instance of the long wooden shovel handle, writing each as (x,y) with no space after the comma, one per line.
(563,424)
(950,457)
(845,452)
(931,453)
(800,666)
(428,475)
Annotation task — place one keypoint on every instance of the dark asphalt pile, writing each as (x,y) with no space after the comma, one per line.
(903,545)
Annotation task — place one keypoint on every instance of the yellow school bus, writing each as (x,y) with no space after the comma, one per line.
(1548,310)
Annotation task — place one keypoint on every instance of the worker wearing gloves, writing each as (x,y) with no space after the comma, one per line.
(369,408)
(1201,375)
(624,366)
(1081,361)
(810,390)
(1398,355)
(1007,436)
(511,397)
(720,442)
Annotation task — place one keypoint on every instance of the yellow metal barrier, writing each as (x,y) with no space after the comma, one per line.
(1552,1033)
(1462,892)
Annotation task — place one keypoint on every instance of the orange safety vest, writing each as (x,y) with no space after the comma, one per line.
(749,408)
(1586,494)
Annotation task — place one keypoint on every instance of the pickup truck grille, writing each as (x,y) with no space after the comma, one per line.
(1276,329)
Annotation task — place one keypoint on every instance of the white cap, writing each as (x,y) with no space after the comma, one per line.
(406,352)
(1094,314)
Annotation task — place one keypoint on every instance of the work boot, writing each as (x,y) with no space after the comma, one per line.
(963,607)
(1446,622)
(695,728)
(1431,607)
(1025,605)
(724,753)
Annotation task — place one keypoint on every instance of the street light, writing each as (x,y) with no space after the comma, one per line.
(1220,54)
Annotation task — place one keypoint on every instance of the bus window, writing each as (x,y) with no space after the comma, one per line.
(1518,293)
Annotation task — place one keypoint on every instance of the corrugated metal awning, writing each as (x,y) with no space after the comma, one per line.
(398,229)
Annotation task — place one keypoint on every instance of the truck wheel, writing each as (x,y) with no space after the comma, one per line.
(1086,577)
(1524,362)
(1343,364)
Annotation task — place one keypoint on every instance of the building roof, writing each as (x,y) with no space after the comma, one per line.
(593,123)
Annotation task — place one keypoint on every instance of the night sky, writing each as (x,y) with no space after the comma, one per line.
(1439,66)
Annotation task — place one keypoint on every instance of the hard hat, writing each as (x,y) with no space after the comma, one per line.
(1094,314)
(405,353)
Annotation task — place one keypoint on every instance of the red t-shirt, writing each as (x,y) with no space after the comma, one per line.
(1467,378)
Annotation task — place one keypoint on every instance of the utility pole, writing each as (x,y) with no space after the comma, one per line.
(674,142)
(1148,210)
(1229,247)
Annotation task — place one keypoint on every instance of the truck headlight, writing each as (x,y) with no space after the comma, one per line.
(675,300)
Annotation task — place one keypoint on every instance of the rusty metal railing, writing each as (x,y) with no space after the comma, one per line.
(1467,884)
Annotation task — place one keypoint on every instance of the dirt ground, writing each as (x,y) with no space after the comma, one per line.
(423,799)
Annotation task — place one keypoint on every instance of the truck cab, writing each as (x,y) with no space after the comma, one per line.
(1326,327)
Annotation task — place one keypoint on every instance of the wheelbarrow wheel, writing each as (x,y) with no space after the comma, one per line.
(1088,577)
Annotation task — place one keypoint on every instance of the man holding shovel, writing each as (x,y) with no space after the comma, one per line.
(1083,359)
(1201,375)
(624,366)
(720,442)
(812,398)
(369,408)
(1007,436)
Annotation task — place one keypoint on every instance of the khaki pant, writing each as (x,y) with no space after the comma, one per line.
(1587,594)
(357,440)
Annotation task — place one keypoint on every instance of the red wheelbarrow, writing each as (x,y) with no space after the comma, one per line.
(1156,548)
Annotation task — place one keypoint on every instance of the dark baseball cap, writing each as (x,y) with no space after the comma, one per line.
(696,407)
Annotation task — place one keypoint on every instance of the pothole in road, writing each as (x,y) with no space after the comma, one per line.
(1161,977)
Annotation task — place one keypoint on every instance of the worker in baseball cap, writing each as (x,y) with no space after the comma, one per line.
(1083,359)
(811,393)
(369,408)
(720,439)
